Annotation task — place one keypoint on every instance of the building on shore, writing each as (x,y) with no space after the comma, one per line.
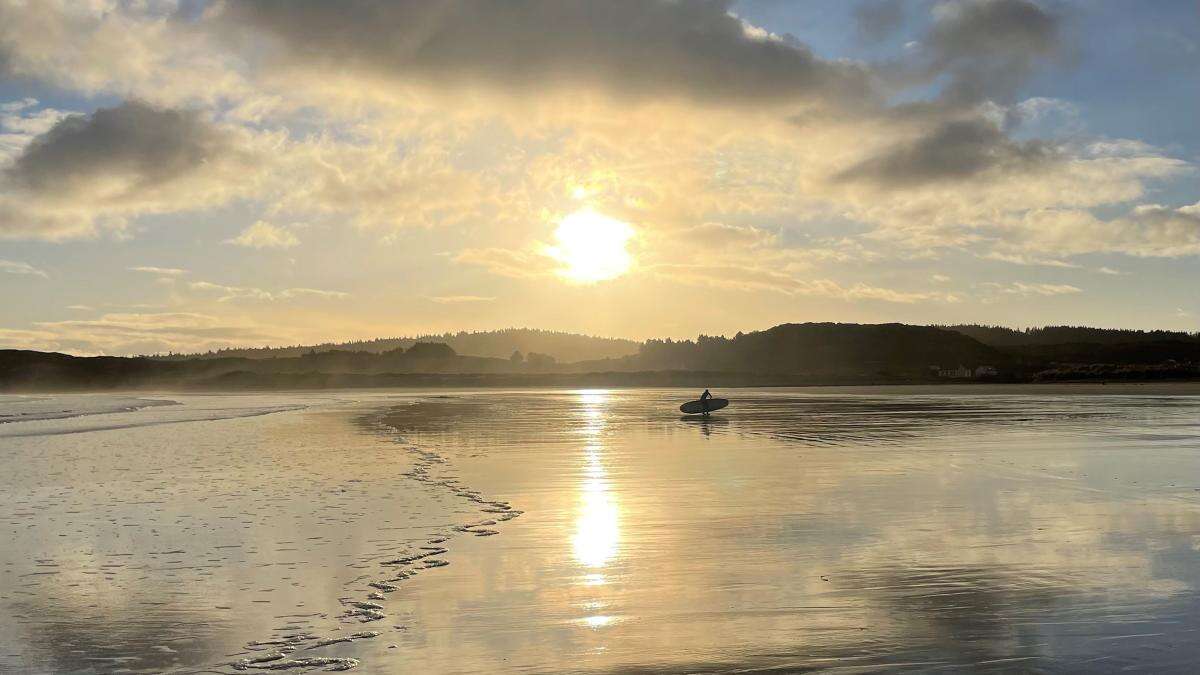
(959,373)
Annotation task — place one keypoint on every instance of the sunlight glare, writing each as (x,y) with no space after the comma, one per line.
(592,247)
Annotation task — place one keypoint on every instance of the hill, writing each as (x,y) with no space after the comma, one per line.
(493,344)
(788,354)
(1000,336)
(815,349)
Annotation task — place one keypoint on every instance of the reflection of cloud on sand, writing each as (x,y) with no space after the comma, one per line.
(144,631)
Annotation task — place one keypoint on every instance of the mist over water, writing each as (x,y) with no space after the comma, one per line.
(598,531)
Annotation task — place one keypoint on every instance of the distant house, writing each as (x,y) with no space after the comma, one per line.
(959,373)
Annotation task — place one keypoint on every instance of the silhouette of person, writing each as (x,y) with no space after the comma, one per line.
(704,401)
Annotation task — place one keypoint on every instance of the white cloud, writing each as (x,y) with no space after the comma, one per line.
(1022,288)
(228,293)
(1149,230)
(17,267)
(162,271)
(460,299)
(262,235)
(1019,259)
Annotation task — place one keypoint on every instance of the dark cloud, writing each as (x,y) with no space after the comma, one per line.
(99,171)
(657,48)
(954,150)
(878,19)
(989,47)
(141,145)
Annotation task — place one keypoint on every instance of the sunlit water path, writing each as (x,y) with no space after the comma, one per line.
(598,531)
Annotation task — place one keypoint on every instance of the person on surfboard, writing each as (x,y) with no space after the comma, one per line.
(704,401)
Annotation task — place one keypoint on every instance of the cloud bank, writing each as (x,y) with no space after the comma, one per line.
(698,50)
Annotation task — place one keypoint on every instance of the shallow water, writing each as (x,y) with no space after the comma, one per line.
(601,532)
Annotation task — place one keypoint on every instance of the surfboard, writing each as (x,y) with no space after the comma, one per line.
(696,407)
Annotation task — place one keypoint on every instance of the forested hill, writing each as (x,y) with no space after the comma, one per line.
(821,349)
(788,354)
(495,344)
(1000,336)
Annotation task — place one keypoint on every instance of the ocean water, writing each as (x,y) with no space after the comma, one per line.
(849,530)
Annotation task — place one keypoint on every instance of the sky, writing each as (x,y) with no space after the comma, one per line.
(181,175)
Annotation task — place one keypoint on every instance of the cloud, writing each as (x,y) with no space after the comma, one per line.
(262,235)
(878,19)
(656,49)
(754,278)
(143,145)
(861,291)
(507,262)
(1042,213)
(290,293)
(1148,230)
(228,293)
(138,333)
(460,299)
(1019,259)
(369,183)
(1022,288)
(146,49)
(955,150)
(724,236)
(1043,109)
(129,160)
(20,122)
(17,267)
(988,47)
(161,271)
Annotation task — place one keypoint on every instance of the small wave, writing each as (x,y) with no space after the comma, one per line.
(194,415)
(55,408)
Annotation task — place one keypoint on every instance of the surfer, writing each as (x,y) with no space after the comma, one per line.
(704,401)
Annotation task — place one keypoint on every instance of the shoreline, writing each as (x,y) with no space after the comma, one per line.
(1084,387)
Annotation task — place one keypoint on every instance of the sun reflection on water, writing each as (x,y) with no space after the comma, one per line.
(598,621)
(597,528)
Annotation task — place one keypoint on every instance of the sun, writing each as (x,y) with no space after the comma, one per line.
(592,247)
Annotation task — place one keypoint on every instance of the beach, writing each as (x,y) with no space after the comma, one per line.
(852,529)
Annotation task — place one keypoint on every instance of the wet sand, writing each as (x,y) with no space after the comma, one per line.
(551,531)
